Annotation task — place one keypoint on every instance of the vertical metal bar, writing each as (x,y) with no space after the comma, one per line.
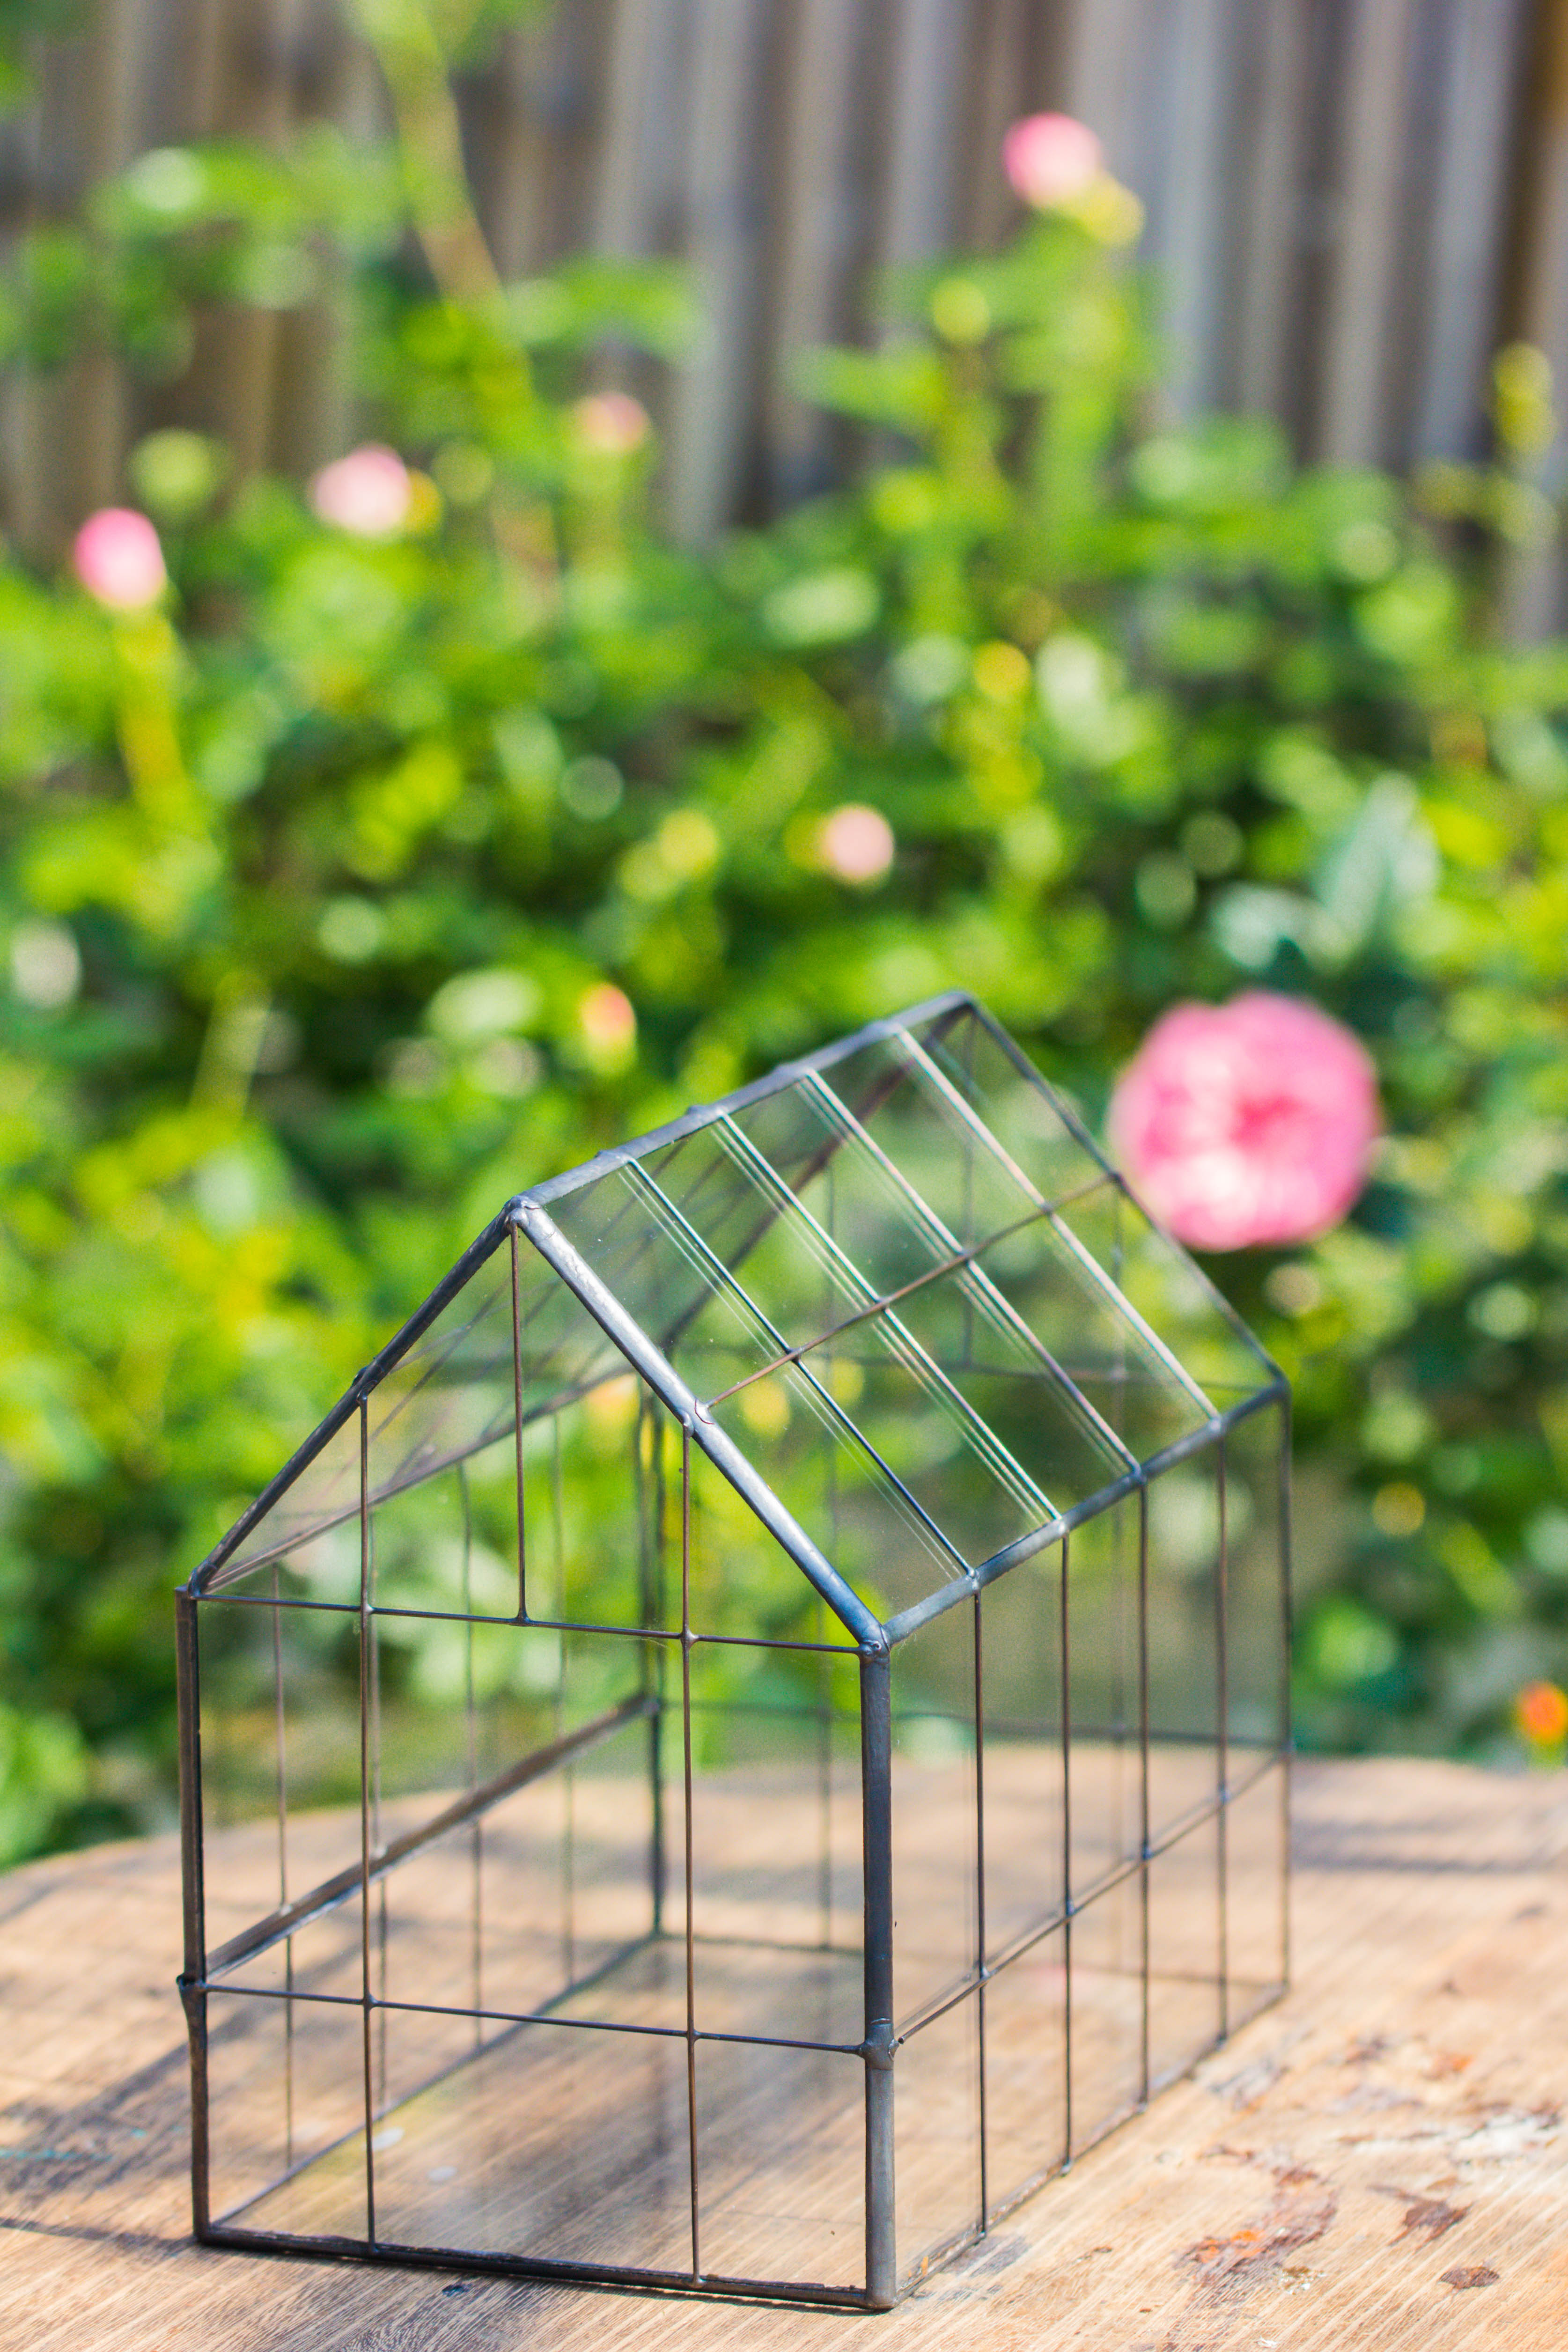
(517,1436)
(365,1664)
(980,1898)
(471,1717)
(823,1664)
(877,1818)
(1287,1617)
(283,1863)
(568,1781)
(1066,1641)
(192,1988)
(1143,1789)
(647,1480)
(690,1922)
(1222,1707)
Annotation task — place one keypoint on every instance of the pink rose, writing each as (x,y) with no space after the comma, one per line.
(118,559)
(1050,158)
(367,493)
(611,424)
(1247,1123)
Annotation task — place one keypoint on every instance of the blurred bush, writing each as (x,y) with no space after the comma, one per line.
(368,879)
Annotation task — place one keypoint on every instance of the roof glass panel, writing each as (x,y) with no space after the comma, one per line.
(923,1127)
(1035,1130)
(1162,1286)
(1135,1389)
(659,1270)
(1011,1382)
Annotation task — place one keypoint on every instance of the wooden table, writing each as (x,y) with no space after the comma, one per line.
(1382,2160)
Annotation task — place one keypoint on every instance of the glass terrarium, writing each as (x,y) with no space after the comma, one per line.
(755,1732)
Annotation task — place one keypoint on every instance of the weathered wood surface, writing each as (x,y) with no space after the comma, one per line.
(1382,2161)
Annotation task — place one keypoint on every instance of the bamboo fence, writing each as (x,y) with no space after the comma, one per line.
(1351,203)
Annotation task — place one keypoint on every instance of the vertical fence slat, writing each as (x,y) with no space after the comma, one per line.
(1480,99)
(1267,195)
(1352,416)
(707,429)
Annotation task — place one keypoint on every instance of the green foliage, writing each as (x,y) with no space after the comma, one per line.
(319,887)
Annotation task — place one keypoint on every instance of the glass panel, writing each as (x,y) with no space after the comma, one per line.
(936,2136)
(1161,1284)
(1184,1954)
(660,1274)
(1025,2070)
(875,1535)
(882,1228)
(1040,1425)
(1256,1846)
(1044,1276)
(598,1514)
(1106,1962)
(1183,1593)
(325,1493)
(744,1583)
(914,1119)
(579,1871)
(1035,1129)
(778,1916)
(781,2164)
(558,2140)
(790,1270)
(1106,1783)
(455,1389)
(1025,1820)
(286,2085)
(935,1847)
(1256,1466)
(281,1756)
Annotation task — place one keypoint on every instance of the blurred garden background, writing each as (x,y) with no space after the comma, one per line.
(785,564)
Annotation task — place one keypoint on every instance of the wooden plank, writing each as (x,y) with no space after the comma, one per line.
(1277,104)
(1380,2161)
(1480,96)
(1352,421)
(710,414)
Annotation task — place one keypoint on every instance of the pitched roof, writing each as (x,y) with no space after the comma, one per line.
(895,1291)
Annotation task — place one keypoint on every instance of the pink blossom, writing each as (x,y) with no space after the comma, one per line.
(611,424)
(1051,158)
(856,842)
(367,493)
(118,559)
(1245,1124)
(608,1024)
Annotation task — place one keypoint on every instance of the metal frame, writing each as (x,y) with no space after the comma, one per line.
(528,1230)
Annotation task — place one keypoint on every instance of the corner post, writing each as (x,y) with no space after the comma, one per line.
(193,1975)
(876,1784)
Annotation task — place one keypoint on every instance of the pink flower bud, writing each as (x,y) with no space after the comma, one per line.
(1050,158)
(1246,1124)
(367,493)
(611,424)
(856,842)
(118,559)
(607,1021)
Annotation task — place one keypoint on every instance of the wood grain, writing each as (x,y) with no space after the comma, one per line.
(1379,2162)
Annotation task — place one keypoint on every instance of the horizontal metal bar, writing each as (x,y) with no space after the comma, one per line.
(661,2283)
(332,1892)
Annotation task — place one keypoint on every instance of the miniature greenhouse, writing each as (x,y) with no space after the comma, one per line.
(755,1732)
